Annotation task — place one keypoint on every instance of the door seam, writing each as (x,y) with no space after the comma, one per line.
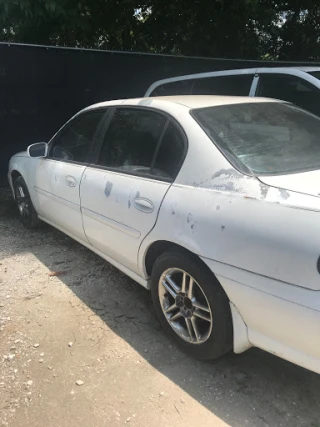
(155,223)
(81,212)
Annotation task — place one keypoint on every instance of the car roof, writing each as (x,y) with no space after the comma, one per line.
(307,69)
(248,71)
(295,67)
(188,101)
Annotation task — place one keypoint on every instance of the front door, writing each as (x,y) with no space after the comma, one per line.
(122,193)
(58,177)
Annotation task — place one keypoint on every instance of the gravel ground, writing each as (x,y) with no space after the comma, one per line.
(80,346)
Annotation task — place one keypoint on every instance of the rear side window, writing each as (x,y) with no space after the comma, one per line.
(290,88)
(239,85)
(131,140)
(76,138)
(170,154)
(182,87)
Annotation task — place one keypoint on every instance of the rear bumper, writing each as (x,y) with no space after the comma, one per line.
(288,328)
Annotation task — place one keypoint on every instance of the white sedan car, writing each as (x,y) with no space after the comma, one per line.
(211,202)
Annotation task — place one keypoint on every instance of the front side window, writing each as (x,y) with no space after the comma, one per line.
(76,138)
(267,138)
(290,88)
(131,140)
(238,85)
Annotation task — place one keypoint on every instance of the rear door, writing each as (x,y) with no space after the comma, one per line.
(121,193)
(58,176)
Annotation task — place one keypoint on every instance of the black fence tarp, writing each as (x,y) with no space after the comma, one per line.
(41,87)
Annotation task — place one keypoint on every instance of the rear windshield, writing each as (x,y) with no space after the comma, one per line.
(267,138)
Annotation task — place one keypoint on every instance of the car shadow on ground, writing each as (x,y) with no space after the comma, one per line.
(234,388)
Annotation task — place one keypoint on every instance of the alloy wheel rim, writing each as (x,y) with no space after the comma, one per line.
(185,306)
(23,203)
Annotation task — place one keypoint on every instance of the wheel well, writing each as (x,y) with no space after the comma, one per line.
(162,246)
(155,250)
(14,175)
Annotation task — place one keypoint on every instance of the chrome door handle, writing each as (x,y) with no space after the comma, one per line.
(143,205)
(71,181)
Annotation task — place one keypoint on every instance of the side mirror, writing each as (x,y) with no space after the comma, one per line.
(40,149)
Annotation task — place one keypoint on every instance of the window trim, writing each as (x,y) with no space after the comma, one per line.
(254,86)
(170,119)
(156,151)
(95,137)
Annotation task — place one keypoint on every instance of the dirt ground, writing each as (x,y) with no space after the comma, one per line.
(83,348)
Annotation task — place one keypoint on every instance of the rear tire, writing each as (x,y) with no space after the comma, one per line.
(201,317)
(27,212)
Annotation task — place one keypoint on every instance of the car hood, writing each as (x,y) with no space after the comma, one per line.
(304,183)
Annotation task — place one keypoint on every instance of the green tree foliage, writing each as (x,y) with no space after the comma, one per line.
(218,28)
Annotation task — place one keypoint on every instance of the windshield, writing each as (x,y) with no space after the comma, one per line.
(267,138)
(315,74)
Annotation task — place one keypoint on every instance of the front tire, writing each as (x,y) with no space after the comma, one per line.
(27,212)
(191,305)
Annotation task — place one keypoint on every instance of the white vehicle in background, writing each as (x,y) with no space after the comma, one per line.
(299,85)
(211,202)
